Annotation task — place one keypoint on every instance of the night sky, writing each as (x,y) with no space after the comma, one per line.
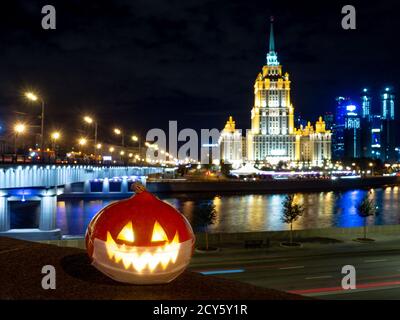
(138,64)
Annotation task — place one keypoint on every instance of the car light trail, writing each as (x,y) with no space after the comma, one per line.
(228,271)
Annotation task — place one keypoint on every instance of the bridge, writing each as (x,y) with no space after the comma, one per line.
(44,183)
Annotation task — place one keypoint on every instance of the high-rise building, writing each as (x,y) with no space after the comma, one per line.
(387,104)
(338,127)
(352,132)
(272,120)
(230,142)
(376,128)
(366,124)
(366,111)
(273,137)
(388,129)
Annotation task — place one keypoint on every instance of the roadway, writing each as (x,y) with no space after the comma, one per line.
(314,270)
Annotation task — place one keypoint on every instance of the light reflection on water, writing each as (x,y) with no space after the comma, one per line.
(256,212)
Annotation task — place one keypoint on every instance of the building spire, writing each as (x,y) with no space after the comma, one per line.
(272,58)
(271,36)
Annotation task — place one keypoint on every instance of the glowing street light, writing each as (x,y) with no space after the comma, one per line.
(19,128)
(111,149)
(372,167)
(82,141)
(55,135)
(90,120)
(136,139)
(99,146)
(119,132)
(31,96)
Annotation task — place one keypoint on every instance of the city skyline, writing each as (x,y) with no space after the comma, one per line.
(186,79)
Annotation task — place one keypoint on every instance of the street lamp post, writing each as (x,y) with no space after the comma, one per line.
(119,132)
(372,167)
(136,139)
(90,120)
(33,97)
(54,137)
(19,128)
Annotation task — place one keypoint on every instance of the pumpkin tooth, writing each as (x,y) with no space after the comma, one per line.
(110,242)
(132,259)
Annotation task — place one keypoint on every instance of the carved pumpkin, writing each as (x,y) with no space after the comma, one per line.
(140,240)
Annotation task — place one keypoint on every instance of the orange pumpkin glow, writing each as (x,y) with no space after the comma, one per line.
(140,240)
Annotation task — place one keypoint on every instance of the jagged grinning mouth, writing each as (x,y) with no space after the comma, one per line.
(139,259)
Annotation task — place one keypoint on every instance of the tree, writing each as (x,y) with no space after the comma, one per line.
(365,209)
(204,215)
(291,212)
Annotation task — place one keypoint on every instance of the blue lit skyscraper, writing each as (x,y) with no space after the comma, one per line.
(387,106)
(388,128)
(366,111)
(338,132)
(376,128)
(366,124)
(352,132)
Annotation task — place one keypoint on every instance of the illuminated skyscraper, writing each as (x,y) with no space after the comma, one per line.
(339,125)
(352,132)
(366,124)
(388,132)
(387,106)
(272,121)
(376,130)
(366,111)
(273,137)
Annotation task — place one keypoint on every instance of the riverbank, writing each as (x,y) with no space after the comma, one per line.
(270,186)
(238,239)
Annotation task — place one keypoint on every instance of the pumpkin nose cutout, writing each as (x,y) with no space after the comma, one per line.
(127,234)
(158,233)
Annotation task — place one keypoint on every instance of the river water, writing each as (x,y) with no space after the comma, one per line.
(256,212)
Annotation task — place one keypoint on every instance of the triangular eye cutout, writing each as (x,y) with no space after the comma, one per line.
(158,233)
(127,234)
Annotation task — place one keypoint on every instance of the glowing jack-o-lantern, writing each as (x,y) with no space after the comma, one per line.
(140,240)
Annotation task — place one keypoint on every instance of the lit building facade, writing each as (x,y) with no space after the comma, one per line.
(271,138)
(366,111)
(338,128)
(230,142)
(313,146)
(388,128)
(352,132)
(376,130)
(366,124)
